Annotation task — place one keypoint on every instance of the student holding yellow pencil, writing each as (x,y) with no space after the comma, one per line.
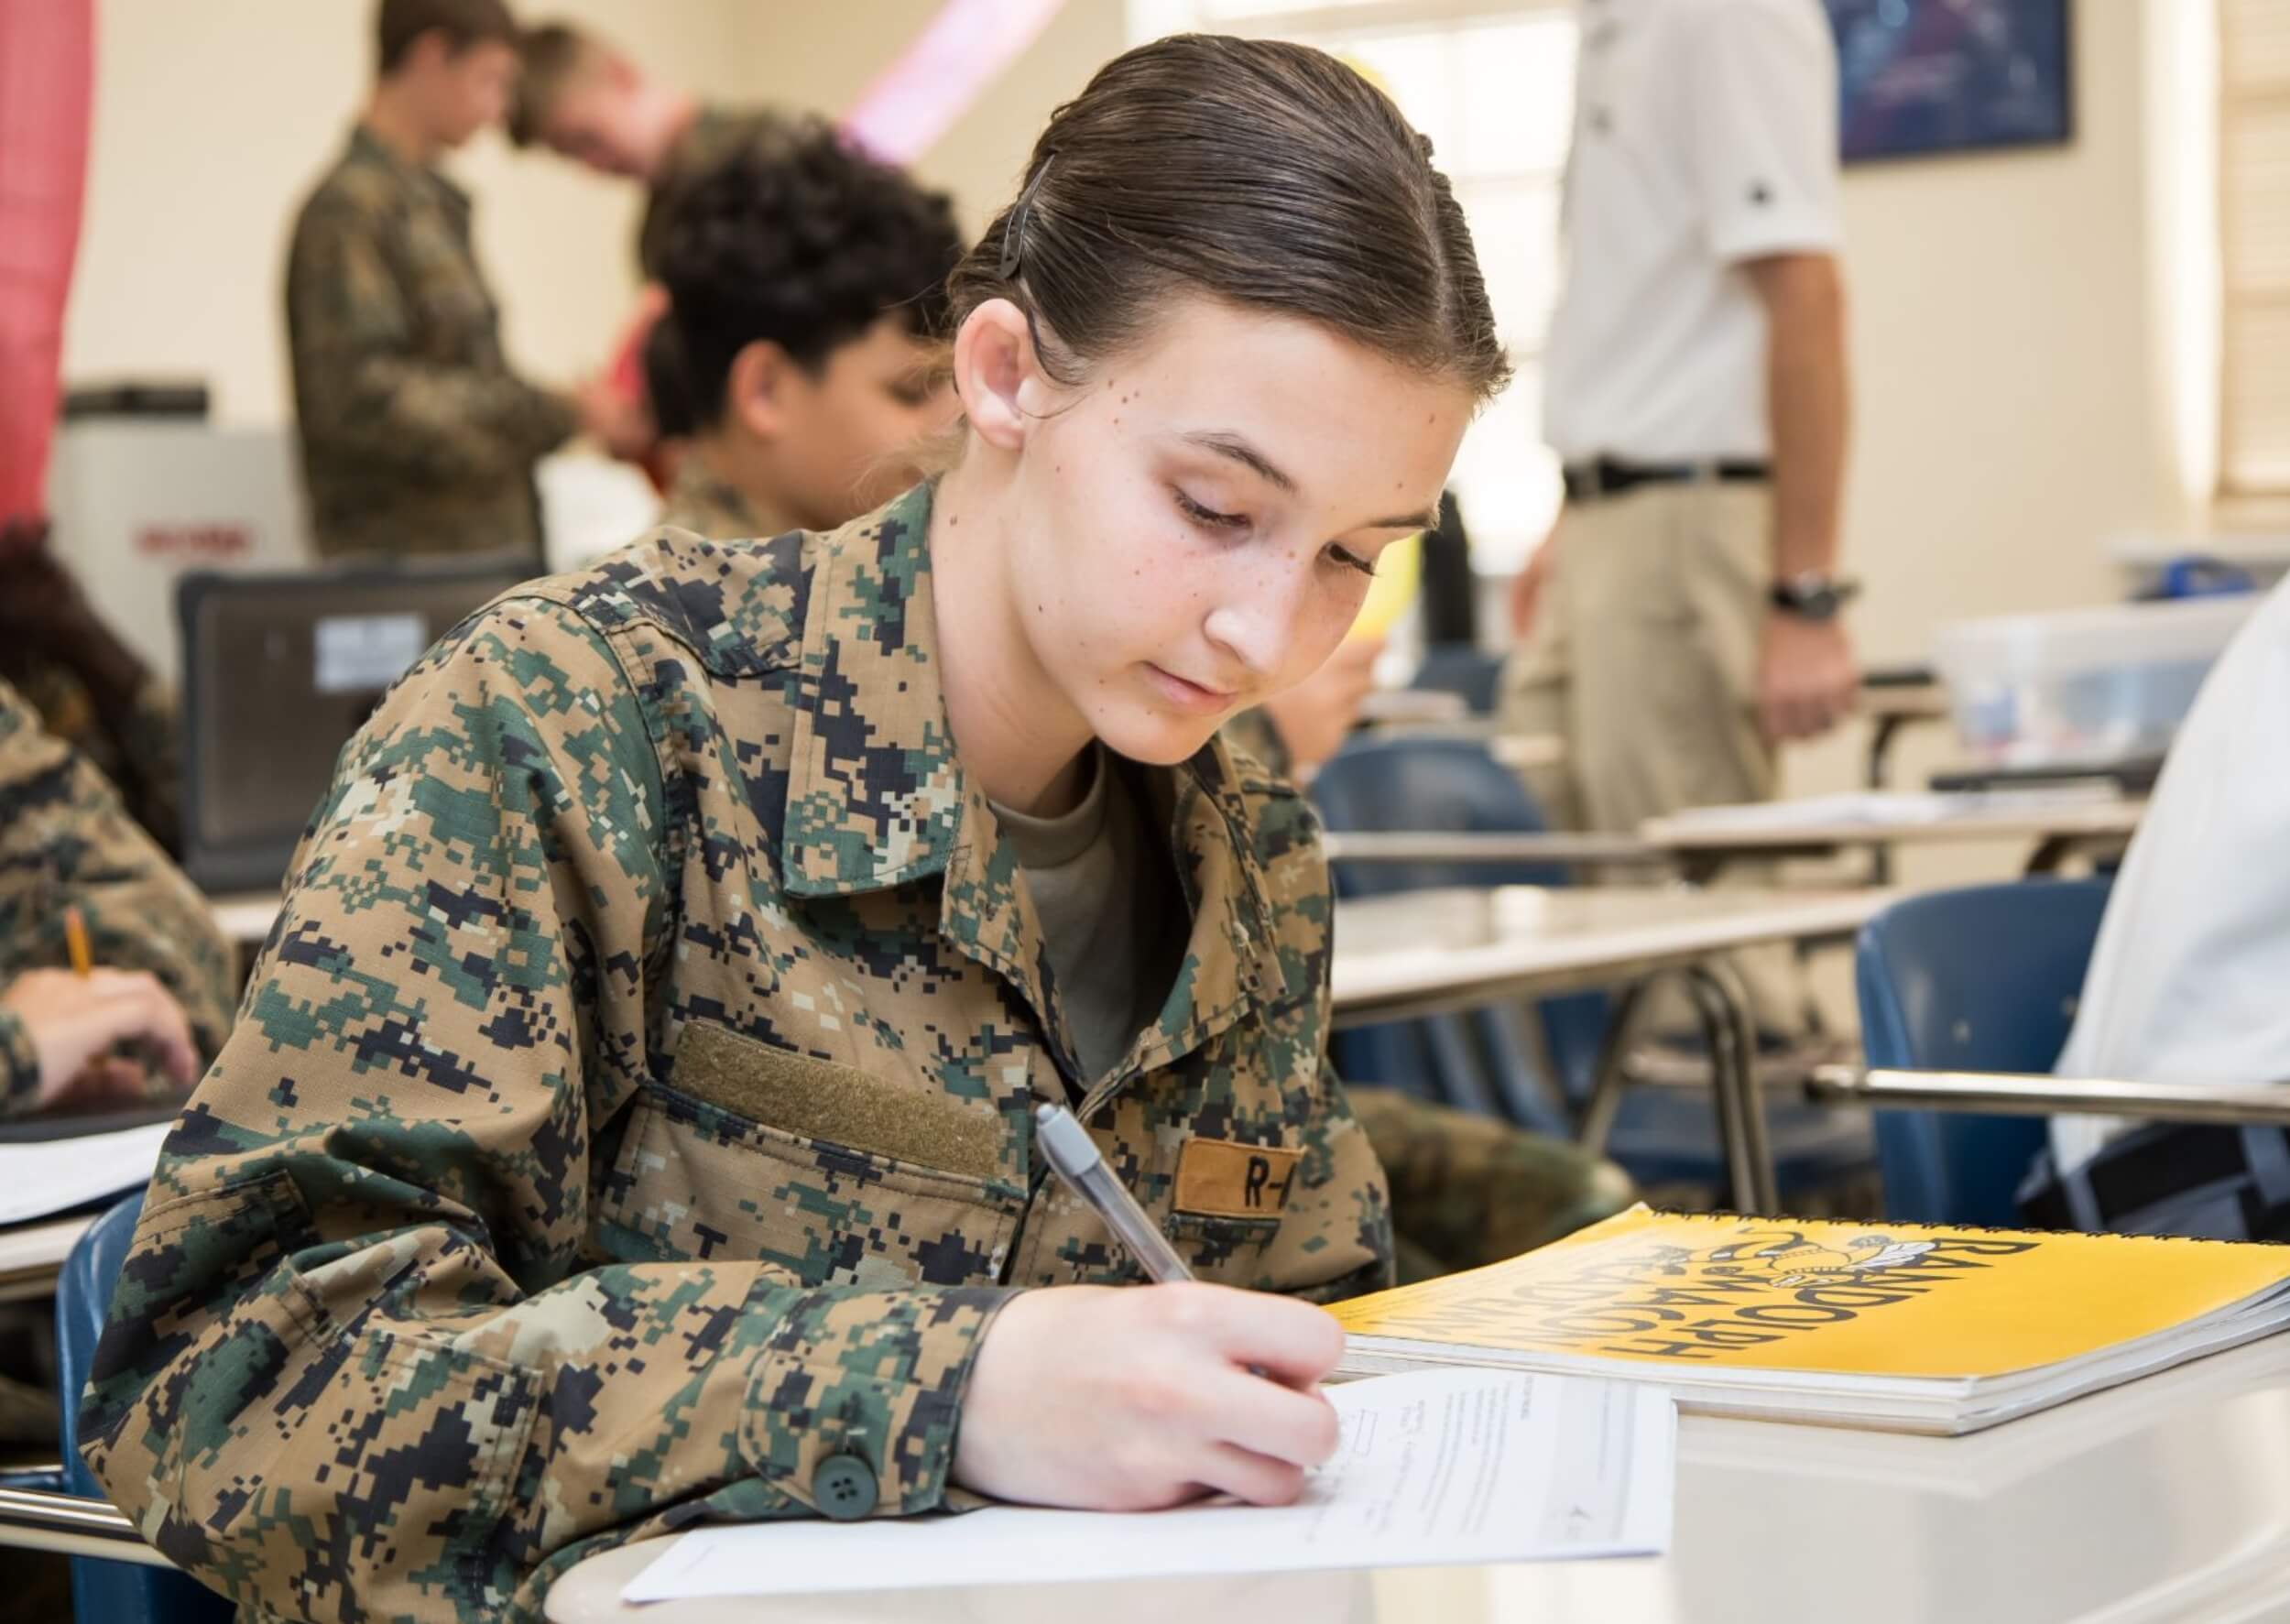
(114,984)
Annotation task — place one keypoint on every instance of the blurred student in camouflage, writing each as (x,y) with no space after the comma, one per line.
(807,289)
(630,1120)
(588,101)
(417,436)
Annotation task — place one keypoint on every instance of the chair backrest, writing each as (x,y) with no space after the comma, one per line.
(1479,1060)
(110,1592)
(1981,979)
(1426,783)
(1462,670)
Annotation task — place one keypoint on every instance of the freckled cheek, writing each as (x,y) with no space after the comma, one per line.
(1320,628)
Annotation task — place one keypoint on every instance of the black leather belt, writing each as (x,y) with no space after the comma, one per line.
(1604,476)
(2134,1172)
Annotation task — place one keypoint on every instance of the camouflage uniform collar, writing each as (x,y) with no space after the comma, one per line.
(877,797)
(875,791)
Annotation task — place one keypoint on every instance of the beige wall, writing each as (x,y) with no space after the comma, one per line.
(213,118)
(2016,401)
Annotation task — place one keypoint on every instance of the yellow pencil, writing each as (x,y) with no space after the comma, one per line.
(75,938)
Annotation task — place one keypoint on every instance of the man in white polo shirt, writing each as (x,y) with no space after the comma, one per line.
(1682,621)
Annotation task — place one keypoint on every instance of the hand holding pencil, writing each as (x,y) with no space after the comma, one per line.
(74,1017)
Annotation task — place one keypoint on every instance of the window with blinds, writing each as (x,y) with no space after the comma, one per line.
(2254,221)
(1491,82)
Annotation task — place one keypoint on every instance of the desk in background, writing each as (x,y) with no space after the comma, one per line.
(2057,832)
(1425,952)
(32,1255)
(1702,849)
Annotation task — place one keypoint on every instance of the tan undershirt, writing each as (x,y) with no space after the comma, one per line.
(1105,896)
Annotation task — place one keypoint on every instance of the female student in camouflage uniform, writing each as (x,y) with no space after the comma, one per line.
(630,1123)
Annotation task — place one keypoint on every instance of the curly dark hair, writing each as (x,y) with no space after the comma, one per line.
(806,241)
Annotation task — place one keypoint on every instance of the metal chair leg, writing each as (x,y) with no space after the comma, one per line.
(1727,1024)
(1605,1090)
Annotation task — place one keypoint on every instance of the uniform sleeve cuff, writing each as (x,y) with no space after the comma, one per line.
(853,1406)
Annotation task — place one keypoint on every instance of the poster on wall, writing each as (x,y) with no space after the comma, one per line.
(1919,77)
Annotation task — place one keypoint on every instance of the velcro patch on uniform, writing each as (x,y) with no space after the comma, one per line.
(821,1100)
(1230,1181)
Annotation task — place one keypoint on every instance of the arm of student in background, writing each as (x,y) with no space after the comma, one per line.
(1311,720)
(65,840)
(1807,679)
(1527,586)
(362,1293)
(361,387)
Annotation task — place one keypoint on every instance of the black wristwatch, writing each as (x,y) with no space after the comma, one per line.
(1813,595)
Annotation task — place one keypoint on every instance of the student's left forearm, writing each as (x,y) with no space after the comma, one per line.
(1808,406)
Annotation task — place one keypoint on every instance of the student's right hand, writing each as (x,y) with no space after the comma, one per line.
(73,1022)
(1134,1398)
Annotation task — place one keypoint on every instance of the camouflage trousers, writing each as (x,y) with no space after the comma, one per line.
(1469,1190)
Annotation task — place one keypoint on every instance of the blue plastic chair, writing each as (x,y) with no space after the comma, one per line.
(1461,669)
(1487,1059)
(1479,1059)
(1982,979)
(111,1592)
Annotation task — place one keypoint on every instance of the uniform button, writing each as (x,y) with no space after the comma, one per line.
(845,1487)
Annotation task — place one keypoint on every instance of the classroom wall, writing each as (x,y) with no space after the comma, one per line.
(2020,344)
(2017,393)
(212,119)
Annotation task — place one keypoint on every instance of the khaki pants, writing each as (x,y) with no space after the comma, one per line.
(1643,657)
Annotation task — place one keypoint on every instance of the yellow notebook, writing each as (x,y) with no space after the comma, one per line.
(1885,1326)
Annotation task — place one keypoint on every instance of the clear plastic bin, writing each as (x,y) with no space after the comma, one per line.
(2082,684)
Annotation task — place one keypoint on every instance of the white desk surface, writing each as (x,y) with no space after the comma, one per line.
(246,920)
(32,1255)
(2089,820)
(2165,1500)
(1460,945)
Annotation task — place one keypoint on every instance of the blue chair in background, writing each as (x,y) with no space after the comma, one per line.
(111,1592)
(1482,1059)
(1464,670)
(1981,979)
(1538,1073)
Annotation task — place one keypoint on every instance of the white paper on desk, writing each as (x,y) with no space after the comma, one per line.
(1442,1466)
(47,1176)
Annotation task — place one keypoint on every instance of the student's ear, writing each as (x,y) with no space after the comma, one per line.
(997,374)
(757,391)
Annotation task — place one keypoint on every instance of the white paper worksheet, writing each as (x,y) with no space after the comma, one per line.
(47,1176)
(1442,1466)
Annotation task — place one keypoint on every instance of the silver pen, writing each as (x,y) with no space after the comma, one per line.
(1073,1156)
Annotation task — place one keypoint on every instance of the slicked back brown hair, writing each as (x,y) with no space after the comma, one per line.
(1264,174)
